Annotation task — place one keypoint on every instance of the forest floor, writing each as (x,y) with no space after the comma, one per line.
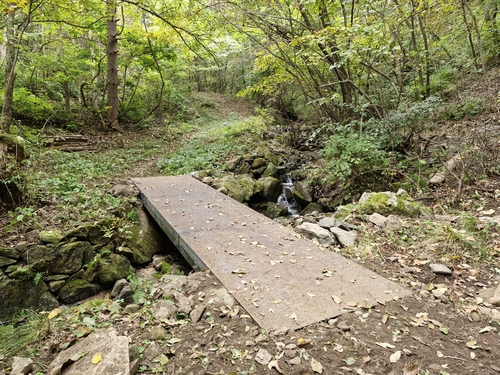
(447,326)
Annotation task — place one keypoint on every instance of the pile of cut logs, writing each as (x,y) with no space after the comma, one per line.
(70,143)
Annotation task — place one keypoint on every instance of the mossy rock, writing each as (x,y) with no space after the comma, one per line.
(386,203)
(275,210)
(259,162)
(342,212)
(145,240)
(65,258)
(51,236)
(17,295)
(271,188)
(274,159)
(312,207)
(13,145)
(95,233)
(76,290)
(112,268)
(270,171)
(239,189)
(301,194)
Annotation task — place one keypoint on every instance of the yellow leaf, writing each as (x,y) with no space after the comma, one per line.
(97,358)
(54,313)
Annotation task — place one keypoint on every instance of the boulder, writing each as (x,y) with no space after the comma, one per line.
(76,290)
(271,188)
(51,236)
(314,231)
(387,203)
(275,210)
(258,162)
(17,295)
(240,190)
(146,239)
(113,268)
(270,171)
(301,194)
(345,238)
(113,352)
(95,233)
(65,258)
(9,253)
(343,212)
(312,207)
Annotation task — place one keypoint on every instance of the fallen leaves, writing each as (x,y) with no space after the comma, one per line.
(396,356)
(385,345)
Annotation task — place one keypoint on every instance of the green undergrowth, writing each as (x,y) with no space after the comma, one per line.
(209,149)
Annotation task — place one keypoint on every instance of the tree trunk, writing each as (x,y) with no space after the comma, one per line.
(10,75)
(112,56)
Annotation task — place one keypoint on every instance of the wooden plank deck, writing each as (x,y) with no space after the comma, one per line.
(281,279)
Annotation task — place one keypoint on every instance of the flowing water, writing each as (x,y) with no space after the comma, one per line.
(286,198)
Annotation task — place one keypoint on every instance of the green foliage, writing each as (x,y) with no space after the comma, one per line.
(471,107)
(17,336)
(210,148)
(30,108)
(348,154)
(25,216)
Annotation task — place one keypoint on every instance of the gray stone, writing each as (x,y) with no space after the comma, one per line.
(126,294)
(132,308)
(183,303)
(157,333)
(196,314)
(344,237)
(377,219)
(440,269)
(263,357)
(343,326)
(21,366)
(124,190)
(117,288)
(328,222)
(55,286)
(314,231)
(445,218)
(168,282)
(234,163)
(113,350)
(21,246)
(220,297)
(258,162)
(393,223)
(94,233)
(295,361)
(164,309)
(495,299)
(47,302)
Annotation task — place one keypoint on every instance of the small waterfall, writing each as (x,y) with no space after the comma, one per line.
(286,198)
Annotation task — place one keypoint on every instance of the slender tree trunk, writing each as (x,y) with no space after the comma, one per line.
(112,56)
(10,75)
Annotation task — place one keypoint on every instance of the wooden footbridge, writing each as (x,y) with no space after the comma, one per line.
(280,278)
